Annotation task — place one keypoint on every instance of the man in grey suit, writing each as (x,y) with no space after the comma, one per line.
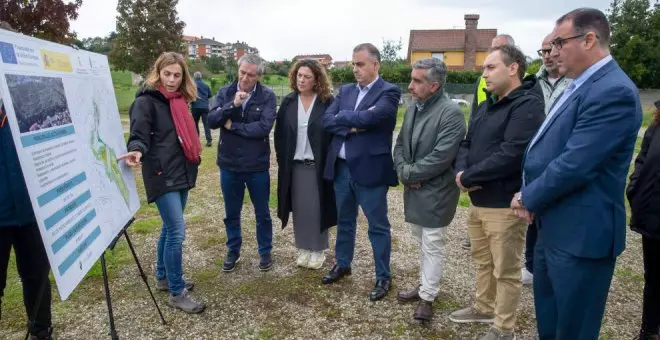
(424,157)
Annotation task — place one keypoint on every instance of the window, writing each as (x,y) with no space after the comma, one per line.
(440,56)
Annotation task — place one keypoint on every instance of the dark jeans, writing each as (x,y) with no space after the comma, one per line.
(233,190)
(170,245)
(373,201)
(530,243)
(33,268)
(651,308)
(203,114)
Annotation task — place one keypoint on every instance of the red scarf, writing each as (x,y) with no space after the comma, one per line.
(184,125)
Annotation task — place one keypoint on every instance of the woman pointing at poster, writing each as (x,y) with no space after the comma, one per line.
(164,141)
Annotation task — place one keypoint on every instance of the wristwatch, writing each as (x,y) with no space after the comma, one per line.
(518,198)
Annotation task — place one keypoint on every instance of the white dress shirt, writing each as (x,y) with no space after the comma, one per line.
(303,148)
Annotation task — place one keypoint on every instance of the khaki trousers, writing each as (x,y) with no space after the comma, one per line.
(498,238)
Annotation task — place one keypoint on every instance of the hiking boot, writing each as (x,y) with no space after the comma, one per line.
(231,260)
(303,258)
(495,334)
(316,260)
(470,315)
(409,295)
(186,303)
(161,285)
(266,262)
(424,312)
(466,244)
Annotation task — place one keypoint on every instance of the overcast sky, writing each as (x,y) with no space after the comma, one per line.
(284,29)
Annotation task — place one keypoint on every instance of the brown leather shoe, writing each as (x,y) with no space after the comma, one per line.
(424,311)
(409,295)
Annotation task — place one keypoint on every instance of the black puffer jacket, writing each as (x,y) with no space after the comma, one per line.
(498,133)
(164,166)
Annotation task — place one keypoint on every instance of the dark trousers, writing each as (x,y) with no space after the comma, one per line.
(530,244)
(33,268)
(373,201)
(203,114)
(233,186)
(569,293)
(651,309)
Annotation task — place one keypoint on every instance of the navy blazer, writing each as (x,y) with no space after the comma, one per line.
(575,172)
(369,152)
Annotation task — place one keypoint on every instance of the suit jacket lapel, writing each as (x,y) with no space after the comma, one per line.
(367,101)
(559,112)
(351,98)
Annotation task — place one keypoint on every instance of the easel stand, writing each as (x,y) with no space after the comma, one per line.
(113,331)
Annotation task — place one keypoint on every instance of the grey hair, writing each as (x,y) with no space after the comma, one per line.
(509,39)
(436,70)
(370,48)
(253,59)
(197,75)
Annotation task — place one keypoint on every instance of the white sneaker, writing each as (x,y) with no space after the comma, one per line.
(316,260)
(526,278)
(303,257)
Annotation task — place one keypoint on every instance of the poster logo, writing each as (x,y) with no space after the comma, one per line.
(56,61)
(7,53)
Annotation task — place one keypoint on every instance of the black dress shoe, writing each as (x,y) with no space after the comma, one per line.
(409,296)
(380,289)
(424,311)
(335,274)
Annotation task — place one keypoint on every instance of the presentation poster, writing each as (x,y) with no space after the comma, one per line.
(60,105)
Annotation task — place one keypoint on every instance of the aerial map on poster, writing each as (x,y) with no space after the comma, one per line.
(61,108)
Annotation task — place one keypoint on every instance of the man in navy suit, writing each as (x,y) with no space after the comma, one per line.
(574,174)
(362,119)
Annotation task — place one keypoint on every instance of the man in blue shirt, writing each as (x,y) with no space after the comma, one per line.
(200,107)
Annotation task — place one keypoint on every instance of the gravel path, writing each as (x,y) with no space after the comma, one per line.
(290,302)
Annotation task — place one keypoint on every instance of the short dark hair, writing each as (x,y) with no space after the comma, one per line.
(589,19)
(373,50)
(511,54)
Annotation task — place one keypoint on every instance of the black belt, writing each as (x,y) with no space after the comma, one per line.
(305,161)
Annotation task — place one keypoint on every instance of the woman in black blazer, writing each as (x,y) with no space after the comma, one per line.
(644,196)
(301,145)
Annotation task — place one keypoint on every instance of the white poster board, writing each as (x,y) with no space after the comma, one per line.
(61,108)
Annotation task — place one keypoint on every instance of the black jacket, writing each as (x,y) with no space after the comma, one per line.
(286,134)
(492,152)
(246,147)
(644,188)
(164,166)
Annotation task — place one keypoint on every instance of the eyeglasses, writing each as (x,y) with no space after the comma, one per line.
(558,43)
(544,51)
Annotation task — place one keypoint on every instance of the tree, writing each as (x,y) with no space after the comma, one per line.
(534,66)
(635,40)
(390,50)
(44,19)
(145,29)
(215,64)
(99,44)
